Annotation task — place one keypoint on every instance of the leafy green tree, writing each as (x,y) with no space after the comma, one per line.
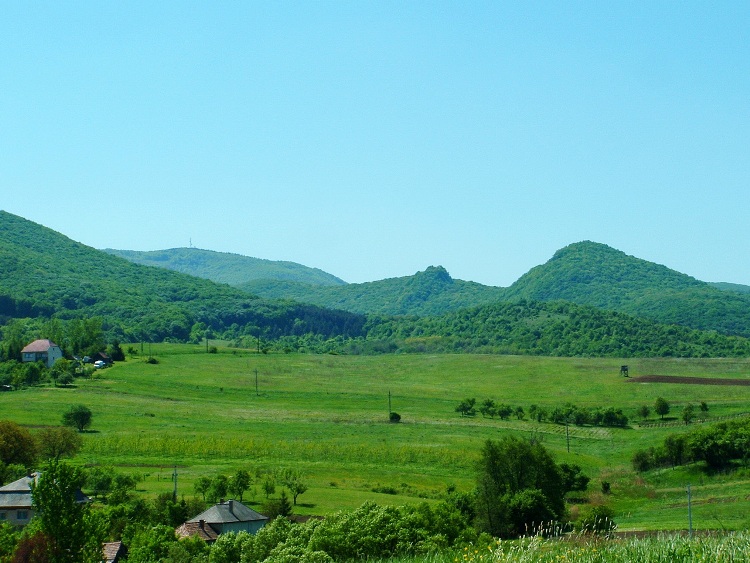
(488,408)
(661,407)
(78,416)
(202,485)
(17,445)
(149,544)
(219,488)
(239,483)
(504,411)
(62,372)
(292,480)
(76,536)
(518,483)
(466,407)
(688,413)
(644,411)
(519,412)
(268,484)
(58,441)
(573,477)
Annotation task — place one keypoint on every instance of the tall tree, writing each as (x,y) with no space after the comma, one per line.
(518,483)
(58,441)
(75,535)
(239,483)
(17,445)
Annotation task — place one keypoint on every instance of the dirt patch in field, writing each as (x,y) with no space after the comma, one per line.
(687,380)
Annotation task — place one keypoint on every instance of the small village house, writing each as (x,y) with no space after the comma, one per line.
(42,350)
(16,506)
(222,518)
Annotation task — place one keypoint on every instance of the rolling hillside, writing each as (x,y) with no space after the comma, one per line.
(595,274)
(223,267)
(45,274)
(432,292)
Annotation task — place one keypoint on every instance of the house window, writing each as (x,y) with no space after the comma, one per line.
(2,516)
(22,515)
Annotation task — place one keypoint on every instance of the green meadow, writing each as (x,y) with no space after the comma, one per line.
(327,416)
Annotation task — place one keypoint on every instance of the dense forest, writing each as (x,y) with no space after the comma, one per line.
(45,275)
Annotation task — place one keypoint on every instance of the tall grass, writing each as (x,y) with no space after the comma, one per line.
(661,548)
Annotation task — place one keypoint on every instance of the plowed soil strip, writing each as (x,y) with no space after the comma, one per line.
(687,380)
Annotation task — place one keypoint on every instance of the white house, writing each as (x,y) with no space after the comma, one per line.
(42,351)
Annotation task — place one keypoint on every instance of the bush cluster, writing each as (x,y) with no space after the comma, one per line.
(718,445)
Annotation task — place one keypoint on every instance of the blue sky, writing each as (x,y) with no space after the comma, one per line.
(374,139)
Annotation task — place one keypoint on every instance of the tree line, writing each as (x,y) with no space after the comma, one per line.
(567,414)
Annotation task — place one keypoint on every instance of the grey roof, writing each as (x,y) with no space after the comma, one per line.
(22,484)
(228,512)
(18,493)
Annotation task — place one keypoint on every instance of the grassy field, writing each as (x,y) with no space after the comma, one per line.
(328,417)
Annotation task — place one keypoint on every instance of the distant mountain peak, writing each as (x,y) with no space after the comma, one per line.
(435,273)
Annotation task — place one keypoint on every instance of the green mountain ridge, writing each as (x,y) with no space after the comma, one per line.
(595,274)
(431,292)
(45,274)
(224,267)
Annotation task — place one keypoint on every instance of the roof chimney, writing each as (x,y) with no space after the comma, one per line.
(231,506)
(202,524)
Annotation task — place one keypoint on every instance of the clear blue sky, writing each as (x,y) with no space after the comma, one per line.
(373,139)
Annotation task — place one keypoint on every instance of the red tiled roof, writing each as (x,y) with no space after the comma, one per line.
(42,345)
(112,551)
(201,529)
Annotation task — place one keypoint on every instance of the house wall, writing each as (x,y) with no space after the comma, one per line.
(53,354)
(16,516)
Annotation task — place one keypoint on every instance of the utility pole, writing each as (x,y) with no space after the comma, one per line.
(256,382)
(389,402)
(567,433)
(690,513)
(174,478)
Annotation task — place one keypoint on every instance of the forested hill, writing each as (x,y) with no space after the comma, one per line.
(223,267)
(432,292)
(553,329)
(594,274)
(45,274)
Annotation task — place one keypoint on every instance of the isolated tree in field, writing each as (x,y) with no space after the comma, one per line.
(466,407)
(17,445)
(644,411)
(75,536)
(59,441)
(292,480)
(661,407)
(704,407)
(78,416)
(239,483)
(519,412)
